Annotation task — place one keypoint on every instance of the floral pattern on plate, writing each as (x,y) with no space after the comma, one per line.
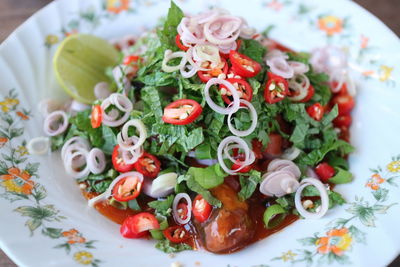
(19,183)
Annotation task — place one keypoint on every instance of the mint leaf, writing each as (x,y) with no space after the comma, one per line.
(341,177)
(163,207)
(209,177)
(253,49)
(168,32)
(249,184)
(168,247)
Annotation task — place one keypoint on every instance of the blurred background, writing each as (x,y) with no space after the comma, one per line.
(14,12)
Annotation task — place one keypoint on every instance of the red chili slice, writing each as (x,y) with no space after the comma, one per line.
(205,76)
(276,89)
(138,225)
(345,103)
(179,43)
(243,87)
(182,210)
(310,94)
(127,189)
(316,111)
(243,65)
(96,117)
(118,163)
(148,165)
(343,121)
(182,112)
(201,209)
(131,59)
(176,234)
(324,171)
(237,165)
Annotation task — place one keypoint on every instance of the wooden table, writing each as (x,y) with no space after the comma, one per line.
(14,12)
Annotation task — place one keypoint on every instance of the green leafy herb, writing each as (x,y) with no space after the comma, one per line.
(248,184)
(168,32)
(253,49)
(209,177)
(163,207)
(341,177)
(134,205)
(196,187)
(166,246)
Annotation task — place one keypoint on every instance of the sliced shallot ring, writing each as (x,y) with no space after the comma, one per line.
(177,199)
(168,55)
(323,194)
(102,90)
(247,152)
(108,191)
(83,142)
(236,99)
(111,118)
(278,183)
(38,145)
(131,157)
(299,67)
(253,116)
(283,164)
(291,153)
(162,186)
(53,118)
(121,102)
(96,161)
(301,87)
(279,66)
(78,106)
(123,138)
(225,37)
(69,163)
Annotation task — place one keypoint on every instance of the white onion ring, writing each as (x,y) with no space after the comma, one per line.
(122,103)
(220,32)
(168,55)
(189,58)
(120,78)
(80,141)
(225,49)
(101,90)
(71,163)
(291,153)
(276,53)
(253,116)
(47,106)
(108,192)
(96,161)
(323,194)
(177,199)
(278,183)
(162,186)
(53,118)
(124,140)
(78,106)
(311,173)
(131,157)
(298,67)
(236,99)
(187,74)
(284,165)
(279,66)
(300,87)
(249,155)
(38,145)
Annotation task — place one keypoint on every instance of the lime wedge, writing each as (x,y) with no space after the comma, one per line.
(80,63)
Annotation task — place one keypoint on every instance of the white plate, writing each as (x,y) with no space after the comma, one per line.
(37,232)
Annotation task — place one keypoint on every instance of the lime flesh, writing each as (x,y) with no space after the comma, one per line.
(80,63)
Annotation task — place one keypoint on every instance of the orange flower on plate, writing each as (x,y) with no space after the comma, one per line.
(22,115)
(368,73)
(364,41)
(73,236)
(117,6)
(3,141)
(275,5)
(17,181)
(330,24)
(336,241)
(375,181)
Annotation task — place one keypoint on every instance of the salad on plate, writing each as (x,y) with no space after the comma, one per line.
(201,133)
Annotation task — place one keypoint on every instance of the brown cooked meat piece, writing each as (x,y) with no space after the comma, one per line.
(229,227)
